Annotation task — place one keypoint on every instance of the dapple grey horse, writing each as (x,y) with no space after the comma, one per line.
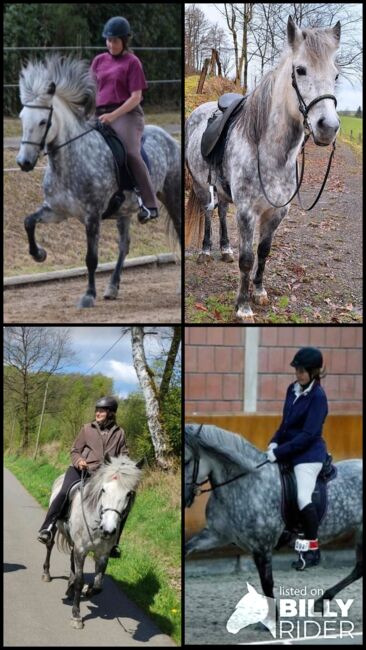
(58,97)
(247,510)
(94,524)
(259,163)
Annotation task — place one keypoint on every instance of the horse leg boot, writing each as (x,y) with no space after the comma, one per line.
(43,214)
(92,234)
(123,225)
(225,248)
(269,222)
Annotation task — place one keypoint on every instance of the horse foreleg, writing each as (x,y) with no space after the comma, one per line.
(44,214)
(76,620)
(46,567)
(226,250)
(92,235)
(245,220)
(206,540)
(123,225)
(70,585)
(270,220)
(263,562)
(100,567)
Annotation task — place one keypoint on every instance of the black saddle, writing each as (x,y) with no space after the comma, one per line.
(289,508)
(214,138)
(124,176)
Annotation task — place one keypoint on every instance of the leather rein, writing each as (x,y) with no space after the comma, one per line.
(304,110)
(41,144)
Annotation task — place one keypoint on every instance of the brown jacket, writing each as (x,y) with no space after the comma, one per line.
(89,445)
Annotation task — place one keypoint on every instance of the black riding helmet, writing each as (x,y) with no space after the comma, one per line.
(107,403)
(309,358)
(116,27)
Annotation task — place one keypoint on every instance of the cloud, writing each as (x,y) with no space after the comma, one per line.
(121,371)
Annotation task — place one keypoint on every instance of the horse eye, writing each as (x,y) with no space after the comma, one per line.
(42,123)
(301,70)
(337,77)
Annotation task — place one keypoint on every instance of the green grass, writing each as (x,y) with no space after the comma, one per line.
(149,570)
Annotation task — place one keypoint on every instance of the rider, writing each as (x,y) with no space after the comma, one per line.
(93,442)
(120,82)
(299,441)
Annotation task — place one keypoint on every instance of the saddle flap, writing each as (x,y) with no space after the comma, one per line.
(227,99)
(218,125)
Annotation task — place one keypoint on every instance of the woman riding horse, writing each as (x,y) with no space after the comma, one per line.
(93,442)
(299,441)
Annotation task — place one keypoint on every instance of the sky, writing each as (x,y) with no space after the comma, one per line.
(349,96)
(90,343)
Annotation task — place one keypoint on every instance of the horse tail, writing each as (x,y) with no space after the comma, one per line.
(62,543)
(194,221)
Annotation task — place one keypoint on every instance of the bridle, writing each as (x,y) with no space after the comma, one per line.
(196,464)
(304,110)
(41,144)
(101,511)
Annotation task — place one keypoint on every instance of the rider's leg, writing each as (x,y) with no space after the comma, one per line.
(306,475)
(55,510)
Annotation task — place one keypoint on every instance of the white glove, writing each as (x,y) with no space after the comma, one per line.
(272,445)
(271,457)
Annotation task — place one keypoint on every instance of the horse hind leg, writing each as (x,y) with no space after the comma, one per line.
(355,574)
(123,225)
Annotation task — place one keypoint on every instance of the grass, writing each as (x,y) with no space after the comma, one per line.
(149,570)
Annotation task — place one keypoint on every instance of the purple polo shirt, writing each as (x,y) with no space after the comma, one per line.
(117,77)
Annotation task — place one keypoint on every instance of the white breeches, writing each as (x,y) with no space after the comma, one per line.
(306,475)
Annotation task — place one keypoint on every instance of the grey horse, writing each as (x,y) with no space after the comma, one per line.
(93,524)
(258,172)
(58,97)
(247,510)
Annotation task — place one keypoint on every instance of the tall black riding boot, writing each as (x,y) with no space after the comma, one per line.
(311,557)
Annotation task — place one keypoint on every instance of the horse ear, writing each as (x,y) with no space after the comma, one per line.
(337,32)
(140,463)
(292,31)
(51,88)
(107,459)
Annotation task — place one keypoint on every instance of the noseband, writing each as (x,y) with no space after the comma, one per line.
(304,110)
(48,126)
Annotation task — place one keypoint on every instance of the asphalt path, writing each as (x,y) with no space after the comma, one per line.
(37,613)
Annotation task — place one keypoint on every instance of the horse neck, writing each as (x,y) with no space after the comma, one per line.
(223,468)
(68,125)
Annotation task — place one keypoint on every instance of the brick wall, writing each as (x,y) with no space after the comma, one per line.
(215,372)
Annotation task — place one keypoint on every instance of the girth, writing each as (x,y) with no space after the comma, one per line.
(289,509)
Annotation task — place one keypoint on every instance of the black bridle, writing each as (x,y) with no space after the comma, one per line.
(304,110)
(101,511)
(42,144)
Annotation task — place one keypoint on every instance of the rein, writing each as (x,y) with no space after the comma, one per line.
(304,110)
(102,511)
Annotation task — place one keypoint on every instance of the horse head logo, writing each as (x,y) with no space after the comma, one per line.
(253,608)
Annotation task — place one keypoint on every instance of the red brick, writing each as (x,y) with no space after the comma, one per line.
(215,335)
(338,361)
(266,387)
(301,336)
(268,335)
(358,387)
(348,337)
(358,343)
(206,358)
(237,359)
(347,386)
(231,387)
(285,336)
(198,335)
(190,358)
(354,361)
(276,360)
(214,386)
(263,359)
(281,385)
(317,336)
(234,335)
(332,337)
(196,386)
(331,386)
(222,359)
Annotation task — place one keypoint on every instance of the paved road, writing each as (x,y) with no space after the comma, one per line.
(36,613)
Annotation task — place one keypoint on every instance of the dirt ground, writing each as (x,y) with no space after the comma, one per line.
(147,295)
(210,599)
(314,271)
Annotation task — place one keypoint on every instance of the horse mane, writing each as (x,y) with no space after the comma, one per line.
(231,446)
(121,466)
(75,84)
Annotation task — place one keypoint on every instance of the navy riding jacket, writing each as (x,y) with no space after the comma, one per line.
(299,436)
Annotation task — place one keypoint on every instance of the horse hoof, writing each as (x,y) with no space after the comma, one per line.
(110,293)
(260,297)
(227,256)
(77,623)
(46,577)
(86,301)
(245,314)
(204,258)
(40,256)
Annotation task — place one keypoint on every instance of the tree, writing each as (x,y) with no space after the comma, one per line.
(154,394)
(31,356)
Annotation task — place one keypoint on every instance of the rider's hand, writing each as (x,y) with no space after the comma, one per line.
(82,464)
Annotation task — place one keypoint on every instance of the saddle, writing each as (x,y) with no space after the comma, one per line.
(289,508)
(124,176)
(214,138)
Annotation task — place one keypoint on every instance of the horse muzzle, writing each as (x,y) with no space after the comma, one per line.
(25,164)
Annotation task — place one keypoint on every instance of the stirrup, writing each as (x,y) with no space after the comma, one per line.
(43,534)
(115,551)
